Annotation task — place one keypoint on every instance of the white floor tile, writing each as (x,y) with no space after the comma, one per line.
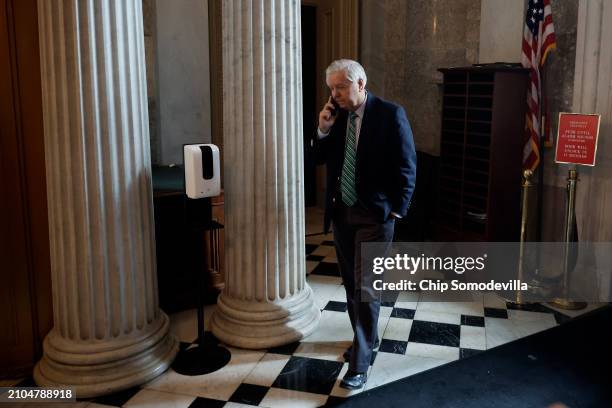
(529,327)
(267,369)
(432,351)
(334,329)
(500,331)
(397,329)
(280,398)
(322,351)
(158,399)
(408,300)
(231,404)
(323,288)
(385,312)
(473,337)
(525,316)
(218,385)
(339,295)
(466,308)
(389,367)
(437,317)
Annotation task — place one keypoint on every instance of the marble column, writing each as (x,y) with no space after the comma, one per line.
(109,333)
(266,301)
(593,94)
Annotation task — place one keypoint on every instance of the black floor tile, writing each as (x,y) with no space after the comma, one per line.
(467,352)
(403,313)
(528,307)
(335,401)
(336,306)
(183,345)
(468,320)
(316,258)
(249,394)
(393,346)
(327,243)
(117,399)
(309,375)
(387,303)
(441,334)
(327,269)
(494,312)
(310,248)
(560,318)
(200,402)
(27,382)
(287,349)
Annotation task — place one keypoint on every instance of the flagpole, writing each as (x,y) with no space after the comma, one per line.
(540,204)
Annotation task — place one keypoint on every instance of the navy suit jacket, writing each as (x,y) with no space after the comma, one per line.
(385,172)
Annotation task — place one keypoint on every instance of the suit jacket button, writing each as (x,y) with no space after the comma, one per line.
(333,200)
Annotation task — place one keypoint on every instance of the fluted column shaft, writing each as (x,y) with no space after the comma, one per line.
(109,332)
(266,300)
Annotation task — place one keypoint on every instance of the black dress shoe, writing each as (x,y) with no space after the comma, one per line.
(347,353)
(353,381)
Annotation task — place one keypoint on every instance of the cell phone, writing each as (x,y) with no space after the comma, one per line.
(334,111)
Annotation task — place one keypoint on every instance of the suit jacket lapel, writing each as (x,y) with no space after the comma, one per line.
(365,131)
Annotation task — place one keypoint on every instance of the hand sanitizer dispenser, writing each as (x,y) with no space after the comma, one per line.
(202,170)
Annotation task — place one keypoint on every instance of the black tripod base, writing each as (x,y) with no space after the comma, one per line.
(201,360)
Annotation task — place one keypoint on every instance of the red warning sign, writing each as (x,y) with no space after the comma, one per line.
(577,138)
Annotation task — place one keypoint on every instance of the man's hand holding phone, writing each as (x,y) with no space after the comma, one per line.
(328,115)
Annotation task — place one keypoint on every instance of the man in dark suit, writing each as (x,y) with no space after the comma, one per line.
(367,145)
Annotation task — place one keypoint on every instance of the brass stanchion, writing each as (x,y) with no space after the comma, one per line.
(565,302)
(527,184)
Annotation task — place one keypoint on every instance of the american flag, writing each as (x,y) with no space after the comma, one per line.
(538,41)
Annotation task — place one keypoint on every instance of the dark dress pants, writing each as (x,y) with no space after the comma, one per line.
(351,227)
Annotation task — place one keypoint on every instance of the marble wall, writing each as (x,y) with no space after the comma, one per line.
(558,85)
(182,77)
(148,15)
(418,37)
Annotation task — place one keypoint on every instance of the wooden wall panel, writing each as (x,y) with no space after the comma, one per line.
(25,293)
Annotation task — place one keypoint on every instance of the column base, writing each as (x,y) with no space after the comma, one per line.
(259,325)
(99,367)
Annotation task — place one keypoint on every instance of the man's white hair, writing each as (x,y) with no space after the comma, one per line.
(353,70)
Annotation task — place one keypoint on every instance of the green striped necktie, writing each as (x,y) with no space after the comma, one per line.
(347,181)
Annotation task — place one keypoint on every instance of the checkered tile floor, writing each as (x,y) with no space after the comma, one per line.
(417,331)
